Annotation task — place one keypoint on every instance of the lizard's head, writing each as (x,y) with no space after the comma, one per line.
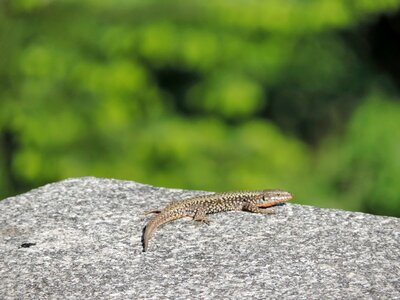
(270,198)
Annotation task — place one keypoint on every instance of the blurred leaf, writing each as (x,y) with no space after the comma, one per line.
(230,95)
(363,167)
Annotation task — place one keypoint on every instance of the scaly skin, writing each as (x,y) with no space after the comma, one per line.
(198,207)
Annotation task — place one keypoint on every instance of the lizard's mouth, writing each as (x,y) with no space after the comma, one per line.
(266,204)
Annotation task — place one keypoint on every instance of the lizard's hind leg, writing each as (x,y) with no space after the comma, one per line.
(153,211)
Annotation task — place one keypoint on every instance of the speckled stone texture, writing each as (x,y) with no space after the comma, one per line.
(80,239)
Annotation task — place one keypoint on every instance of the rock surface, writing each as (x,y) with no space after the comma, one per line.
(81,238)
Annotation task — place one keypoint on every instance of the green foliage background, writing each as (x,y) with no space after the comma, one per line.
(218,95)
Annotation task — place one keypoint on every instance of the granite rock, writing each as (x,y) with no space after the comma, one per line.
(81,239)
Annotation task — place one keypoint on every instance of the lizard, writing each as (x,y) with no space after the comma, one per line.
(198,207)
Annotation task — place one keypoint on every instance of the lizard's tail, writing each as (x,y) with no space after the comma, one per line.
(151,227)
(147,232)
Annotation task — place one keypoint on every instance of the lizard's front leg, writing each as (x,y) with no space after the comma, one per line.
(255,209)
(201,216)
